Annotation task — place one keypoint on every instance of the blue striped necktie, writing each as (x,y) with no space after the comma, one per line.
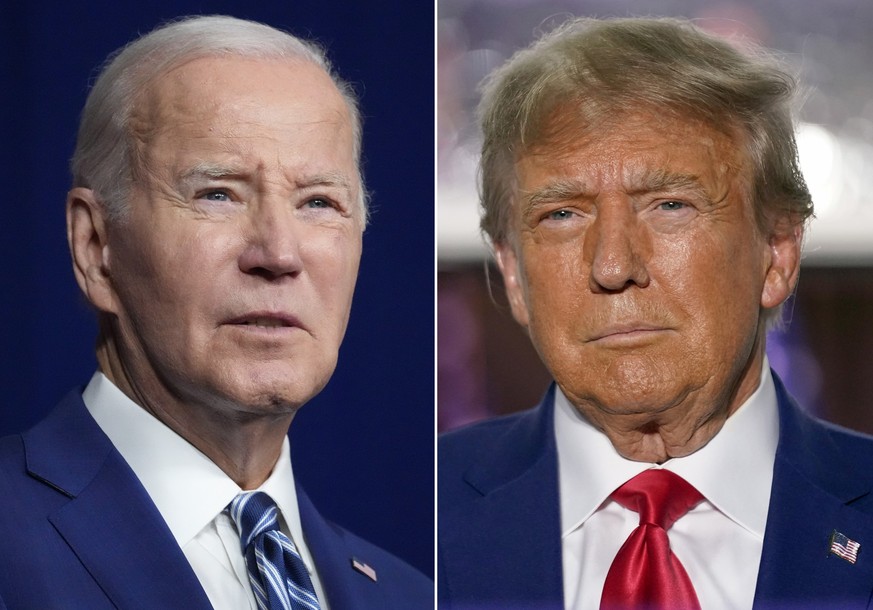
(277,573)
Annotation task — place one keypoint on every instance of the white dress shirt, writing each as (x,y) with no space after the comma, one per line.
(719,542)
(191,493)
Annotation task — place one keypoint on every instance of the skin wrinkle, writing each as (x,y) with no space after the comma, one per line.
(658,180)
(170,279)
(145,125)
(569,123)
(647,315)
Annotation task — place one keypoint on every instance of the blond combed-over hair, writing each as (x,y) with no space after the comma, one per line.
(596,69)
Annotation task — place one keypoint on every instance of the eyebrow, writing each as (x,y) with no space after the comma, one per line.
(329,179)
(215,171)
(663,180)
(205,169)
(649,182)
(558,190)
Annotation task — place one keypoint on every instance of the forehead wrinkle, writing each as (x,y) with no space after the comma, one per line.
(209,169)
(636,179)
(653,180)
(219,170)
(558,190)
(660,180)
(333,179)
(205,171)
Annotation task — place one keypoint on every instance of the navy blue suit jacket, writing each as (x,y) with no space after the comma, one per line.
(78,531)
(499,523)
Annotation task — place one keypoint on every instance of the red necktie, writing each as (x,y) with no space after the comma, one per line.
(645,573)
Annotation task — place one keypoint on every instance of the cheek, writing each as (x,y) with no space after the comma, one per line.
(683,269)
(174,278)
(192,267)
(558,298)
(138,270)
(717,280)
(331,259)
(556,277)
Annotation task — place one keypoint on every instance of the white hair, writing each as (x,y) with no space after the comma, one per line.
(103,159)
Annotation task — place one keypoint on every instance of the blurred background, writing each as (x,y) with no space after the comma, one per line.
(363,448)
(825,355)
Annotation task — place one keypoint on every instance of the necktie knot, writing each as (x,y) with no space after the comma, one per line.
(254,513)
(659,496)
(279,578)
(645,573)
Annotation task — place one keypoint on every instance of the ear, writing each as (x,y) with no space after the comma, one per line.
(89,248)
(784,268)
(507,262)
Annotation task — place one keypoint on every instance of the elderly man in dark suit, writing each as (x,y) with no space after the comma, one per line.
(215,224)
(641,191)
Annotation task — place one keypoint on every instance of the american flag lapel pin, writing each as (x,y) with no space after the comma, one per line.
(845,547)
(366,570)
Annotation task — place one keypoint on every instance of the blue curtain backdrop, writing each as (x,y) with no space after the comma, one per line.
(364,447)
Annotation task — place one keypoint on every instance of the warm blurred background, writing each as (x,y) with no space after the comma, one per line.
(485,363)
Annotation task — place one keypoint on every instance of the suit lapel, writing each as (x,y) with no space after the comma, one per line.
(814,490)
(110,523)
(506,544)
(345,586)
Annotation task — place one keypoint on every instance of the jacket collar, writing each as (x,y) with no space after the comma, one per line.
(109,522)
(514,521)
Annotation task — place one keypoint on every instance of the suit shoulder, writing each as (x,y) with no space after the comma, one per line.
(458,448)
(505,443)
(11,450)
(855,445)
(387,561)
(13,468)
(468,438)
(404,586)
(817,434)
(13,465)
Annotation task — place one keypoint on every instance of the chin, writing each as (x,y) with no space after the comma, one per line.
(623,386)
(274,404)
(270,385)
(274,399)
(280,392)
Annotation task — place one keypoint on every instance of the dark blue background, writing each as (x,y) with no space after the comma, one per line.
(364,447)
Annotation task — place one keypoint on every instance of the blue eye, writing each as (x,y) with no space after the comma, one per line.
(319,203)
(560,215)
(220,196)
(670,206)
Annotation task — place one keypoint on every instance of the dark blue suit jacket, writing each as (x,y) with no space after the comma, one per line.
(499,523)
(78,531)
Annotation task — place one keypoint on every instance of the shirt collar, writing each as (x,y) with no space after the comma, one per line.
(188,489)
(734,471)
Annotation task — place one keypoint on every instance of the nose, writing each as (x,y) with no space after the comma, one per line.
(272,244)
(615,249)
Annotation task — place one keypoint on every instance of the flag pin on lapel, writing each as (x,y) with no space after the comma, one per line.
(845,547)
(366,570)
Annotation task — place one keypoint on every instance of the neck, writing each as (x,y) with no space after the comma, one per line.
(243,444)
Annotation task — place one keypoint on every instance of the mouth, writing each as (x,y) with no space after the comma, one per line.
(627,333)
(265,320)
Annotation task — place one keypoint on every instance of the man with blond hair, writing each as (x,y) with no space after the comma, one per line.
(215,226)
(641,192)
